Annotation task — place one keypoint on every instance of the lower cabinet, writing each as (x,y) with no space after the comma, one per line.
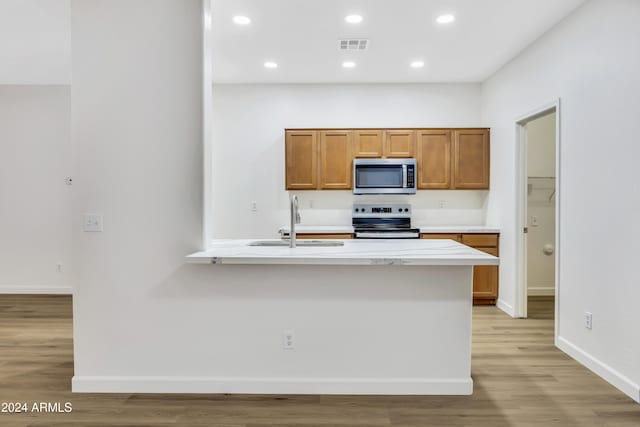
(485,277)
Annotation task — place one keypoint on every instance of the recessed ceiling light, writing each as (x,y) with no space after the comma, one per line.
(353,19)
(270,64)
(241,20)
(348,64)
(417,64)
(445,19)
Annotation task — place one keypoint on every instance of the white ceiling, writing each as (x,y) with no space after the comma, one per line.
(301,36)
(35,42)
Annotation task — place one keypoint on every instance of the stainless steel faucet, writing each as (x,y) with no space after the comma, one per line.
(295,219)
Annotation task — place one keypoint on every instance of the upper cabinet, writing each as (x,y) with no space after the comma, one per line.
(301,152)
(434,159)
(367,143)
(471,159)
(335,159)
(399,143)
(446,158)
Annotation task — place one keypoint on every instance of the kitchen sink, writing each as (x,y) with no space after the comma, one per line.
(298,243)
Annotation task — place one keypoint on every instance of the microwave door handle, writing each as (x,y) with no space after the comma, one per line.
(404,176)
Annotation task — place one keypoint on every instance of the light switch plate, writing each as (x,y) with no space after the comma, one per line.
(92,222)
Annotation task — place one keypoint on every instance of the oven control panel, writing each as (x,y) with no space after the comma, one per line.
(399,210)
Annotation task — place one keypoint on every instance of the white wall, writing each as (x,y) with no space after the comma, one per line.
(35,42)
(541,146)
(248,149)
(587,61)
(136,103)
(35,203)
(541,204)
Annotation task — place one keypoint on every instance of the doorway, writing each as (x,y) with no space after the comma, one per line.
(538,212)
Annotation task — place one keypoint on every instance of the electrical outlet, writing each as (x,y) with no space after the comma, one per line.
(442,204)
(534,221)
(59,267)
(288,340)
(92,222)
(588,320)
(68,180)
(254,206)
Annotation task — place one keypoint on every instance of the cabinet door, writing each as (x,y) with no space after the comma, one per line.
(471,159)
(399,143)
(335,159)
(485,278)
(367,143)
(434,159)
(301,150)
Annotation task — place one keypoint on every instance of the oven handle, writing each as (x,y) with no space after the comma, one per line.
(387,235)
(404,176)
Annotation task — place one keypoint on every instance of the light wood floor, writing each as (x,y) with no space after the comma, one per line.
(521,379)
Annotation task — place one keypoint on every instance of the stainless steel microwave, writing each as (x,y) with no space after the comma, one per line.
(384,176)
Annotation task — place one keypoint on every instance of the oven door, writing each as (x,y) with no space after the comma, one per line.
(382,176)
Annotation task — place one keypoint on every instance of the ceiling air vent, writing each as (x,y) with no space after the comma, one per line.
(354,44)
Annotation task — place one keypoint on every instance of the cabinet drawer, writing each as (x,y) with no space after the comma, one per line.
(324,236)
(485,240)
(455,237)
(490,251)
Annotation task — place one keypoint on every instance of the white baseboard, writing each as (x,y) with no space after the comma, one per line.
(391,386)
(44,290)
(541,291)
(506,307)
(605,371)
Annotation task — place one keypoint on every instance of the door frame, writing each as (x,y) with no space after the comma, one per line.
(521,208)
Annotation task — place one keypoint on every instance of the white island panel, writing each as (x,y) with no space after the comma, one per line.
(358,330)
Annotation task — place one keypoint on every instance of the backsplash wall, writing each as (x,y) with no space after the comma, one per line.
(460,207)
(248,150)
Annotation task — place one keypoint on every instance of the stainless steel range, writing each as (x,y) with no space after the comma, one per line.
(383,221)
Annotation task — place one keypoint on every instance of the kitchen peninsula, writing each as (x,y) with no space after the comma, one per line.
(369,317)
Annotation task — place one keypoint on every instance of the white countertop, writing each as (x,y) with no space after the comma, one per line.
(315,229)
(469,229)
(354,252)
(329,229)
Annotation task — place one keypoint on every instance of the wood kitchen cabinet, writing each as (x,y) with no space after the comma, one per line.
(399,143)
(301,159)
(433,156)
(367,143)
(446,158)
(450,236)
(335,159)
(485,277)
(485,280)
(471,159)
